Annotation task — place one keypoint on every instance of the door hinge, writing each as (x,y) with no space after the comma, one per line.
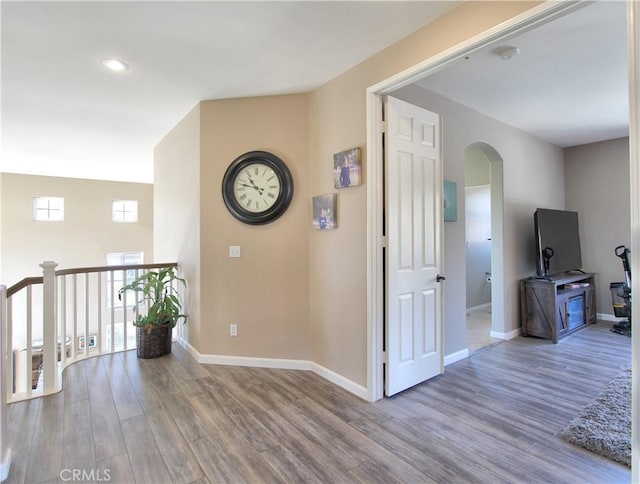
(383,126)
(385,357)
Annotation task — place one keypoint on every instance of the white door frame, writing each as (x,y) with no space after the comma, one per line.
(375,276)
(633,43)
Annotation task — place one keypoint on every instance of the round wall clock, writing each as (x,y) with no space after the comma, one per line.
(257,187)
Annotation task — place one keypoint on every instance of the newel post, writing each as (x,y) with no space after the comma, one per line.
(49,339)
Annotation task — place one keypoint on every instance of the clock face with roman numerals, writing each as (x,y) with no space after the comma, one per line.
(257,187)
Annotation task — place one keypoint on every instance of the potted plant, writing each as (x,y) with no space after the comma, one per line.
(158,293)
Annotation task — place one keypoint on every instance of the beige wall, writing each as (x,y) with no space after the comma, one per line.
(87,233)
(295,292)
(597,187)
(266,291)
(338,121)
(177,211)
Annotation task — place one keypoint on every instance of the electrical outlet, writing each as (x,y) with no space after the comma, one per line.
(233,330)
(234,251)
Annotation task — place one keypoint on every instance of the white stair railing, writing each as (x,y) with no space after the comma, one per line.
(5,450)
(62,317)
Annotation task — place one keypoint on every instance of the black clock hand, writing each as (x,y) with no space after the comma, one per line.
(254,186)
(260,190)
(251,179)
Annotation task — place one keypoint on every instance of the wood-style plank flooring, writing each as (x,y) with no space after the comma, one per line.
(490,418)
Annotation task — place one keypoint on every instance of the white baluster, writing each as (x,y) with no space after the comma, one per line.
(125,316)
(63,319)
(5,451)
(50,344)
(29,373)
(8,347)
(86,314)
(74,306)
(112,313)
(100,345)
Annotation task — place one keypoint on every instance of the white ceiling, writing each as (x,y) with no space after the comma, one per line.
(64,114)
(568,86)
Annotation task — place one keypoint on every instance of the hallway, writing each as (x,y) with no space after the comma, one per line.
(491,417)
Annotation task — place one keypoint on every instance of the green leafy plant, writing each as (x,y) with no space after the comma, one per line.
(158,290)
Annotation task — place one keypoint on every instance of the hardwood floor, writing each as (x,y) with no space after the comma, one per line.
(490,418)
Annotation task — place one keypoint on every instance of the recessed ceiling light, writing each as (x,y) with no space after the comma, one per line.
(115,65)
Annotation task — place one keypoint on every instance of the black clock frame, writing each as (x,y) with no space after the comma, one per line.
(282,201)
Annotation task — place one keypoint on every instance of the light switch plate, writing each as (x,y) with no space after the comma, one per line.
(234,251)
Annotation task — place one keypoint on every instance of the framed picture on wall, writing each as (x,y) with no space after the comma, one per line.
(347,168)
(450,201)
(82,342)
(324,211)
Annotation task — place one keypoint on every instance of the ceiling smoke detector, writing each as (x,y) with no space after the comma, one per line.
(508,53)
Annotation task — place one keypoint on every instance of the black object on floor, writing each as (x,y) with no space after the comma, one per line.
(621,294)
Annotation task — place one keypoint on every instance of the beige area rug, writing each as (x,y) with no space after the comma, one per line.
(604,426)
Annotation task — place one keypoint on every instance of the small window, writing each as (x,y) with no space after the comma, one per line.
(48,209)
(125,211)
(122,259)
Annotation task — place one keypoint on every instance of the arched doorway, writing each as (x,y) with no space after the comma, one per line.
(484,245)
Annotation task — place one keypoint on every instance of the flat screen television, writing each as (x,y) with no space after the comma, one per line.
(557,241)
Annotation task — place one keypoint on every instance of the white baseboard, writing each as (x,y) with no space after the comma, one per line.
(506,336)
(480,306)
(277,363)
(5,466)
(607,317)
(190,349)
(457,356)
(333,377)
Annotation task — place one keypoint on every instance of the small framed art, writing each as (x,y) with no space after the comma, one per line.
(324,211)
(347,168)
(92,342)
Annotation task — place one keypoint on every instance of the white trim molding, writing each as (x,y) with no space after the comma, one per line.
(278,363)
(333,377)
(506,336)
(633,52)
(538,15)
(457,356)
(275,363)
(607,317)
(479,306)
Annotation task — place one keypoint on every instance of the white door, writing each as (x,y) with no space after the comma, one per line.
(414,219)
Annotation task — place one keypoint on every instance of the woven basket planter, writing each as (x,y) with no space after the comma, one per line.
(153,342)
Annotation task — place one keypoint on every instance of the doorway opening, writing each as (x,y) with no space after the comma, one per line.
(375,220)
(483,237)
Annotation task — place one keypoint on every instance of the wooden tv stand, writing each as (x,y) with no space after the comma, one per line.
(558,305)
